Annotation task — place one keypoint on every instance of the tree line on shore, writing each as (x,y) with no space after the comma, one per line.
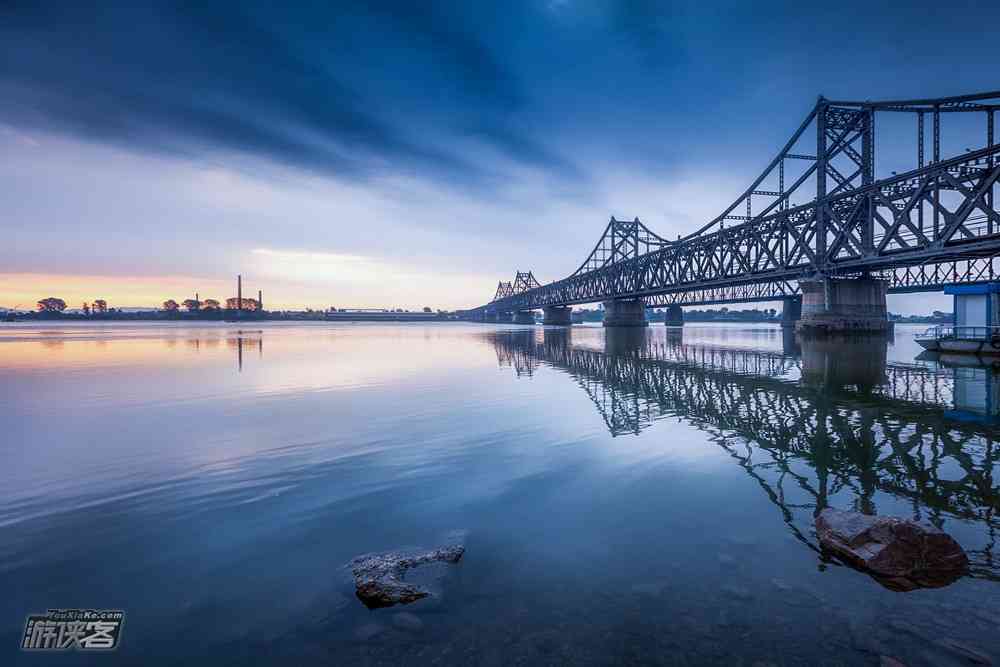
(100,306)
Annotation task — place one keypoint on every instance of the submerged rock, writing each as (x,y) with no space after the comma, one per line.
(378,578)
(902,555)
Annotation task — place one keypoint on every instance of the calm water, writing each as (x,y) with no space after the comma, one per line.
(629,497)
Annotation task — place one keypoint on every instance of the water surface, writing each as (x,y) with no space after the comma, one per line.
(627,496)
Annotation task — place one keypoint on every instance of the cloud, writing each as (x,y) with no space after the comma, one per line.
(429,139)
(355,91)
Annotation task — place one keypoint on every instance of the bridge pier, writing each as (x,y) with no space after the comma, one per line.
(791,311)
(560,316)
(524,317)
(625,313)
(505,318)
(843,305)
(675,316)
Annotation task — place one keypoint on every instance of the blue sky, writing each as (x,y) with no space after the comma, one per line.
(405,154)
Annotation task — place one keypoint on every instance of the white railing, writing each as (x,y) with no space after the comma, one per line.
(960,333)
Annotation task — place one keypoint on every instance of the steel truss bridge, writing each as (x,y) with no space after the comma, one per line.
(806,431)
(935,224)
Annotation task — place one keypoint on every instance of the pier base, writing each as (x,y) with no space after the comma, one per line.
(560,316)
(843,305)
(625,313)
(505,318)
(791,311)
(674,317)
(524,317)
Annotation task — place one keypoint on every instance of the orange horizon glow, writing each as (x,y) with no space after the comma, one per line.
(22,291)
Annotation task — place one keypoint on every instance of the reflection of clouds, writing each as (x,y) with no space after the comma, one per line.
(298,357)
(278,401)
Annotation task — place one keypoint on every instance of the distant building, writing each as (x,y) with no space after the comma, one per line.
(232,303)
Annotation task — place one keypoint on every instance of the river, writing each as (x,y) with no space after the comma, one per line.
(626,496)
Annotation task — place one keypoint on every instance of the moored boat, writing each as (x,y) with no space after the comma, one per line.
(961,340)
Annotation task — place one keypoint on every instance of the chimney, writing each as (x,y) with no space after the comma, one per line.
(260,300)
(239,291)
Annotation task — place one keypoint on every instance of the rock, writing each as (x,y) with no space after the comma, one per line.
(378,578)
(407,621)
(902,555)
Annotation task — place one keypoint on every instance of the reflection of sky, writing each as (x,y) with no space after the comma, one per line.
(143,468)
(155,152)
(96,408)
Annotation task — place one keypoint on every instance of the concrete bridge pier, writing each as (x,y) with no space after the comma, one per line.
(505,318)
(675,316)
(625,313)
(843,305)
(524,317)
(791,311)
(560,316)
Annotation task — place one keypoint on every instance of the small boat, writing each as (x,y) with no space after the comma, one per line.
(961,340)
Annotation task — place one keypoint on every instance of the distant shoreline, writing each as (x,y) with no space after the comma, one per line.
(231,316)
(318,316)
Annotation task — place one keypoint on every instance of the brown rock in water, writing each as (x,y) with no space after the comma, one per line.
(378,578)
(902,555)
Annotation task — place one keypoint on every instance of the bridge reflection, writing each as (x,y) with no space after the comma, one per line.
(816,423)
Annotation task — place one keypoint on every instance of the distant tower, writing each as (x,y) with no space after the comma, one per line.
(260,300)
(239,291)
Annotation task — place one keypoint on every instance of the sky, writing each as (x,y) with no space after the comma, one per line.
(410,154)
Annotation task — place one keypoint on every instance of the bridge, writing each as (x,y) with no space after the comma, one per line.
(856,236)
(812,427)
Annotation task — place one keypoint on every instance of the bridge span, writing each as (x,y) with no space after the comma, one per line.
(832,259)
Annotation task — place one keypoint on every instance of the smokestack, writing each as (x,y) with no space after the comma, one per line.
(239,291)
(260,300)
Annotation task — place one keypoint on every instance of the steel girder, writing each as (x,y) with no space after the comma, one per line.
(937,221)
